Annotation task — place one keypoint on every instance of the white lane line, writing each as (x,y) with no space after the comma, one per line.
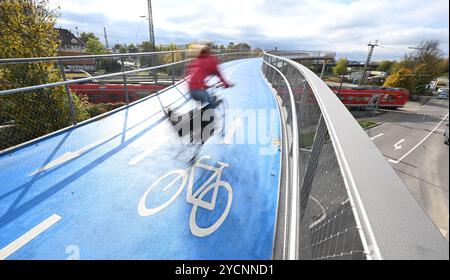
(415,147)
(442,130)
(376,136)
(324,214)
(148,151)
(228,139)
(66,157)
(397,145)
(28,236)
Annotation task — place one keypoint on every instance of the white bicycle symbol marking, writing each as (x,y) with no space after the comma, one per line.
(196,198)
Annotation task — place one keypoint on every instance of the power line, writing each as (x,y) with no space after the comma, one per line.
(391,48)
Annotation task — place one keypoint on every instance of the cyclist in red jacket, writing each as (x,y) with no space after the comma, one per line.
(206,64)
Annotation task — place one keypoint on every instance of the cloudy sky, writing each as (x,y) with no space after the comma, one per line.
(344,26)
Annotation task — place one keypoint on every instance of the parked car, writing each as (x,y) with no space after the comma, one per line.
(443,93)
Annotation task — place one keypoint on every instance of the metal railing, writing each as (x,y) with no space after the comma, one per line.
(41,95)
(343,200)
(304,55)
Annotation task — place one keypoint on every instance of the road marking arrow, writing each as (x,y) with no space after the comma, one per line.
(397,145)
(376,136)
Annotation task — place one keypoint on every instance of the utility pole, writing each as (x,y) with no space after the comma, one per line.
(106,38)
(151,32)
(150,25)
(366,65)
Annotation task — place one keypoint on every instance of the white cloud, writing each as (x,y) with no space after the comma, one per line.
(343,26)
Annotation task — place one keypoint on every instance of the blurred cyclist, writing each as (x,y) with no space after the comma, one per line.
(204,65)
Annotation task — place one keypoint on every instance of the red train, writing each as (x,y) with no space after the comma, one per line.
(113,93)
(368,95)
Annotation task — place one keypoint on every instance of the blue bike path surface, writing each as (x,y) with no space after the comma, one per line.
(94,176)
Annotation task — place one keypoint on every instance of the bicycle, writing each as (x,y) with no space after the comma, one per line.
(194,123)
(196,198)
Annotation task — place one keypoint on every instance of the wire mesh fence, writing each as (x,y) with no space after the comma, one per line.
(325,227)
(41,95)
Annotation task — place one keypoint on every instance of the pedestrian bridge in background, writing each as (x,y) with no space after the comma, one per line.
(292,177)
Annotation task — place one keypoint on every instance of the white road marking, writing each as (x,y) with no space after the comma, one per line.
(418,144)
(397,145)
(442,130)
(230,133)
(376,136)
(28,236)
(324,214)
(65,157)
(345,201)
(148,151)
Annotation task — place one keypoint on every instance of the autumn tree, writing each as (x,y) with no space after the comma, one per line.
(427,53)
(123,49)
(231,46)
(385,66)
(341,67)
(418,68)
(132,48)
(86,36)
(239,46)
(402,78)
(445,66)
(27,30)
(94,46)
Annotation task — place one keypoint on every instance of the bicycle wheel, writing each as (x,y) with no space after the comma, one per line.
(222,120)
(217,125)
(202,232)
(180,174)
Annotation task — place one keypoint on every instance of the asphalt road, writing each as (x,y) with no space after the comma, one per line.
(412,140)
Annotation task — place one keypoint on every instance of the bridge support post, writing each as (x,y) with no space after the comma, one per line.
(270,70)
(125,84)
(173,69)
(73,116)
(155,72)
(183,70)
(301,106)
(275,64)
(323,68)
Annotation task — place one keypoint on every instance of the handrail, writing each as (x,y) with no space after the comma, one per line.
(304,54)
(89,56)
(79,57)
(88,79)
(390,222)
(294,214)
